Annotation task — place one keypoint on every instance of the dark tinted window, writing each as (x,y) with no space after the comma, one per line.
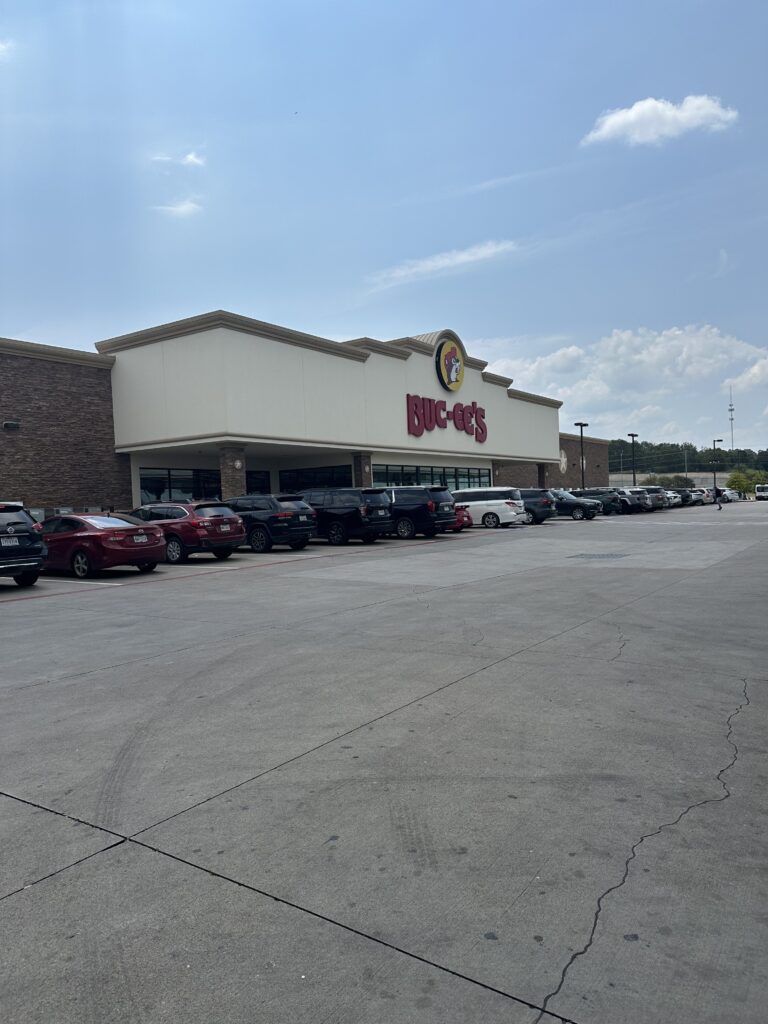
(68,526)
(316,498)
(440,494)
(49,526)
(210,511)
(345,498)
(14,517)
(375,497)
(408,493)
(167,512)
(145,514)
(293,504)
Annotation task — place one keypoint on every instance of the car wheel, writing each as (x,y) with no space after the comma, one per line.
(26,579)
(222,553)
(369,538)
(175,552)
(81,565)
(337,534)
(577,513)
(405,528)
(298,545)
(491,520)
(147,567)
(528,518)
(259,540)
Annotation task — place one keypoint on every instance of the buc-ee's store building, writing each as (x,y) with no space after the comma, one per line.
(220,404)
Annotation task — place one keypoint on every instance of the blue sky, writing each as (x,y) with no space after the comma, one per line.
(351,168)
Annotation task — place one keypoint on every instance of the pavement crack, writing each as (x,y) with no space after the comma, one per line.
(623,641)
(636,846)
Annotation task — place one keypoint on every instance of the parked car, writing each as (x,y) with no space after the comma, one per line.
(761,492)
(413,511)
(702,496)
(86,544)
(568,504)
(539,505)
(633,499)
(445,508)
(673,498)
(607,496)
(686,497)
(22,549)
(275,519)
(657,495)
(463,519)
(493,506)
(344,513)
(728,494)
(194,526)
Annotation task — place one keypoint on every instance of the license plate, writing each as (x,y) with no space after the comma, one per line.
(9,542)
(446,507)
(381,512)
(303,518)
(225,529)
(139,538)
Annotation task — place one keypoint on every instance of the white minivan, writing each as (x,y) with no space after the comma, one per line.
(492,506)
(761,492)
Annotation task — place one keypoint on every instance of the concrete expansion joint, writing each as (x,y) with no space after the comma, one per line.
(649,835)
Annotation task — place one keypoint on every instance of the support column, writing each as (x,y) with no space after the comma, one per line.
(362,472)
(541,468)
(232,469)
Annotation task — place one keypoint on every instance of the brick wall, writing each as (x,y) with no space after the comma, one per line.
(63,453)
(531,474)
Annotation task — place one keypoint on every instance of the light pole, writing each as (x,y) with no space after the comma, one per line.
(715,443)
(581,426)
(634,476)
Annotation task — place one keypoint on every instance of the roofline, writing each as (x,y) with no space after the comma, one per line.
(525,396)
(377,348)
(235,322)
(587,437)
(53,354)
(495,378)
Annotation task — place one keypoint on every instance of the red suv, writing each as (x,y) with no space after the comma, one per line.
(191,526)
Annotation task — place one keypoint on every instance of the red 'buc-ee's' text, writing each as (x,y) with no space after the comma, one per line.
(428,413)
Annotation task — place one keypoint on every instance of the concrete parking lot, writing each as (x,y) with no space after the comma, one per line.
(512,775)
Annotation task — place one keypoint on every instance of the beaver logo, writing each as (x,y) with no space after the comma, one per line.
(449,363)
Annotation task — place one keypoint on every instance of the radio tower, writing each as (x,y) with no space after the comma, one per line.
(730,416)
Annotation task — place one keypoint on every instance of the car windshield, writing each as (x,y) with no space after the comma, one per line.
(211,511)
(15,517)
(294,504)
(375,498)
(107,522)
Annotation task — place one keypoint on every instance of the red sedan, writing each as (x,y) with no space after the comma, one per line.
(463,518)
(85,544)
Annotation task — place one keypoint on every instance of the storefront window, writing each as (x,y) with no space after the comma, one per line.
(316,476)
(179,484)
(387,475)
(257,481)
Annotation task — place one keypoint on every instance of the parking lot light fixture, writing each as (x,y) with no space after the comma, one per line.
(715,443)
(634,475)
(581,426)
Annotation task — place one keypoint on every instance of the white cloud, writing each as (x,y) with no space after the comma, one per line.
(442,262)
(651,121)
(184,208)
(641,378)
(754,376)
(7,47)
(191,159)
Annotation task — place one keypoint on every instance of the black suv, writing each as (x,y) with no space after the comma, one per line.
(445,507)
(346,512)
(413,511)
(539,505)
(568,504)
(607,496)
(22,551)
(275,519)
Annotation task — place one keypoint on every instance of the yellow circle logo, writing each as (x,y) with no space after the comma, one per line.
(449,363)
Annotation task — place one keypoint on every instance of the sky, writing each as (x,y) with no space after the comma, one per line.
(576,189)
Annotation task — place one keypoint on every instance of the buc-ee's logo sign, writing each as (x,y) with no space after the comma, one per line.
(428,413)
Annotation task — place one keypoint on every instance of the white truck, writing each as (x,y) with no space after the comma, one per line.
(761,492)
